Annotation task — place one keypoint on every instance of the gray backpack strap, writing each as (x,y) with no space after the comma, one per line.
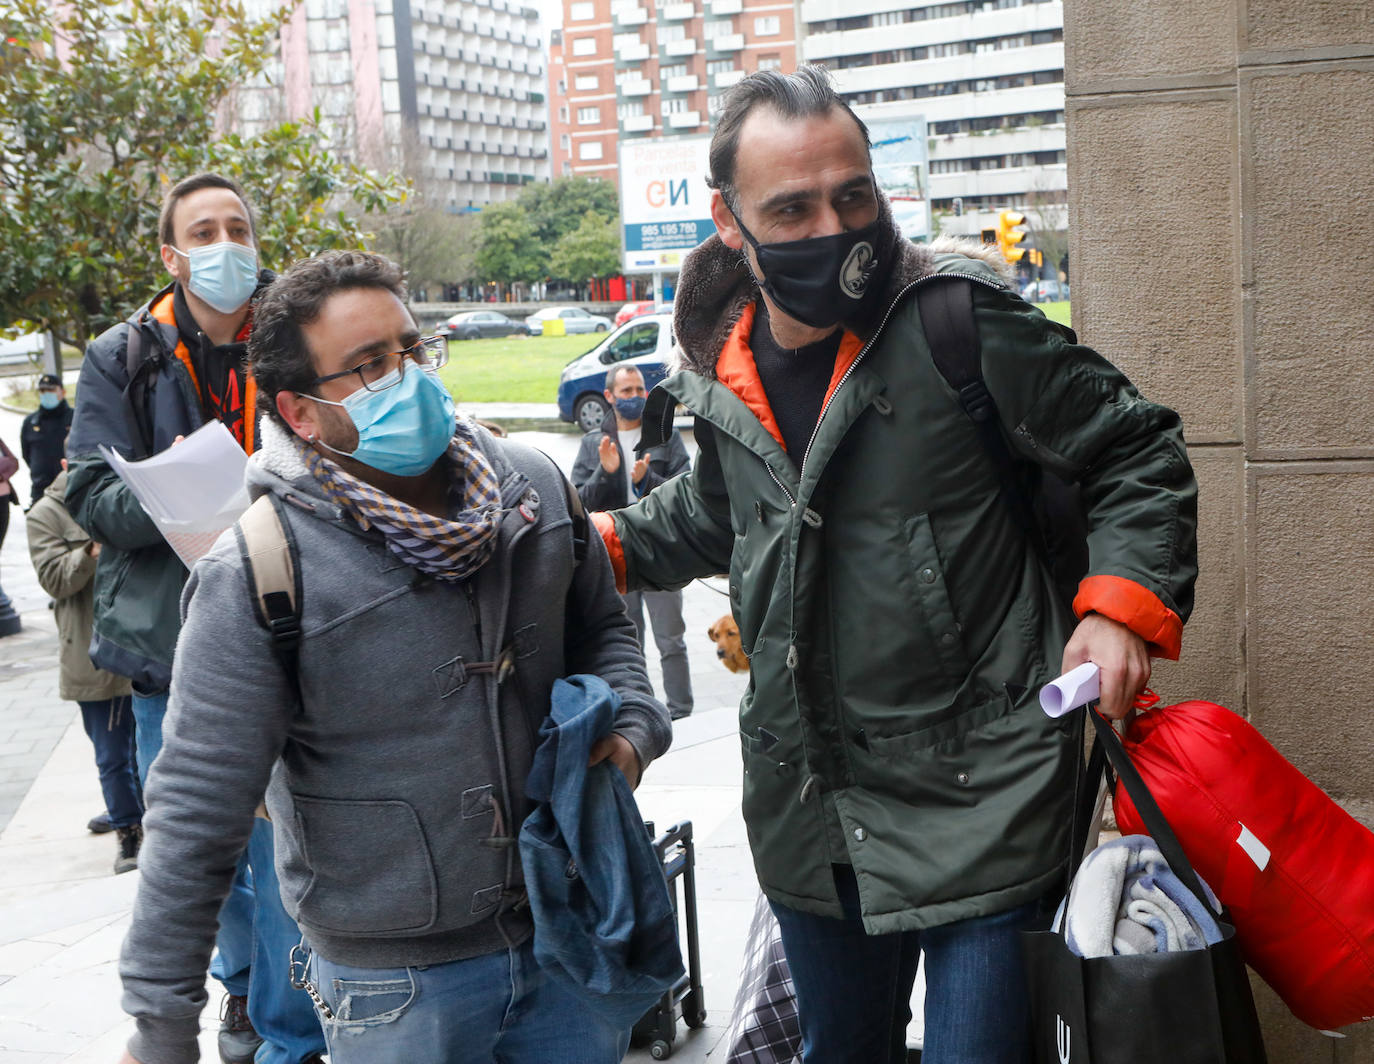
(269,558)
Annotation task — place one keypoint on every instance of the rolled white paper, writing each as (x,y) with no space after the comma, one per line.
(1075,688)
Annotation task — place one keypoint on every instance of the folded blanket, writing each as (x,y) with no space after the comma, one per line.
(1126,899)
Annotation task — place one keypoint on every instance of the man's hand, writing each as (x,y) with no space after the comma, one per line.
(1120,656)
(610,455)
(622,755)
(640,468)
(93,549)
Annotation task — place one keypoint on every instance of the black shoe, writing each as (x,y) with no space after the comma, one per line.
(130,839)
(100,825)
(238,1041)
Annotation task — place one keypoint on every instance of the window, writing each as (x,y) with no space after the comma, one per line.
(564,141)
(589,149)
(567,167)
(586,82)
(588,116)
(717,27)
(581,12)
(675,106)
(770,62)
(720,66)
(584,46)
(673,31)
(630,109)
(563,113)
(641,339)
(677,70)
(562,88)
(767,26)
(889,18)
(625,40)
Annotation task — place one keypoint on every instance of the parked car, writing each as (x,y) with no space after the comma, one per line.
(1045,290)
(644,342)
(26,348)
(575,320)
(480,324)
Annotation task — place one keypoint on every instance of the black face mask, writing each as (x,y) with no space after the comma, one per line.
(819,281)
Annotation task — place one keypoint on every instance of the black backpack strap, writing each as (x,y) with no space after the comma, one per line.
(137,367)
(946,307)
(274,579)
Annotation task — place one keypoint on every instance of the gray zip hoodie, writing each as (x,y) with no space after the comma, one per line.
(396,789)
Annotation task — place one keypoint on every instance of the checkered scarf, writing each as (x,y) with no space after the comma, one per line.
(446,548)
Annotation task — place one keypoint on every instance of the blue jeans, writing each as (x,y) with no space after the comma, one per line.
(109,724)
(854,989)
(255,937)
(499,1007)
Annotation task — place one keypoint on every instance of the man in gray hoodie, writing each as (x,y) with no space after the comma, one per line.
(444,585)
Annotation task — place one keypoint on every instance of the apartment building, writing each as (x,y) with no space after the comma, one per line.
(988,77)
(648,68)
(454,90)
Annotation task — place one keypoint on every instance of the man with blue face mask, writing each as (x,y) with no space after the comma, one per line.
(178,362)
(43,437)
(607,479)
(442,593)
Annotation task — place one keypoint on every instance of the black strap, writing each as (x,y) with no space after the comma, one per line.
(1155,823)
(946,306)
(137,367)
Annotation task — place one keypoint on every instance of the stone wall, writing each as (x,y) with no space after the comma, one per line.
(1221,196)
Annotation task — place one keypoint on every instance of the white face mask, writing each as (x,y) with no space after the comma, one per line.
(224,275)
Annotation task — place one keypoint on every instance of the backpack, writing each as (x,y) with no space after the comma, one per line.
(270,559)
(1050,509)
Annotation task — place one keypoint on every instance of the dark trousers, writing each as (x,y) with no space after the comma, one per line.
(109,725)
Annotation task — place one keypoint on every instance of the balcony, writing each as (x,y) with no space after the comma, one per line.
(678,12)
(631,16)
(726,7)
(723,79)
(684,83)
(642,87)
(728,42)
(685,119)
(632,53)
(686,47)
(639,124)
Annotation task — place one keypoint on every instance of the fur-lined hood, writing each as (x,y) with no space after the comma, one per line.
(716,285)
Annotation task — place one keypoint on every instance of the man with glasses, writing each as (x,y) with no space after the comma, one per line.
(442,591)
(176,364)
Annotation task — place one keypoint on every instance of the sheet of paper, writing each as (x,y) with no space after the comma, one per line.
(193,490)
(1075,688)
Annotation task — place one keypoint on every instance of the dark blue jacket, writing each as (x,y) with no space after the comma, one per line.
(603,921)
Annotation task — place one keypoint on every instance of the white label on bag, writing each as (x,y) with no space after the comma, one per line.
(1257,851)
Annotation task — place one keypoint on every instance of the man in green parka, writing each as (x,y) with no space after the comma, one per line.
(903,790)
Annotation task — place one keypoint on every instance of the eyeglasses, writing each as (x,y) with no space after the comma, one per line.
(383,371)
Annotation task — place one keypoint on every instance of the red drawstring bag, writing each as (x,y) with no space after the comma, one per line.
(1295,870)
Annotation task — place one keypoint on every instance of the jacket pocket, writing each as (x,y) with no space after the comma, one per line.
(933,599)
(371,872)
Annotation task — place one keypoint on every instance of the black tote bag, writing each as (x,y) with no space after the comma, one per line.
(1189,1007)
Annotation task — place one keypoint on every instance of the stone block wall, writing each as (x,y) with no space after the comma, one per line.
(1221,201)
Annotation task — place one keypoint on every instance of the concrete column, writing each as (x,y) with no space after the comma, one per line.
(1221,202)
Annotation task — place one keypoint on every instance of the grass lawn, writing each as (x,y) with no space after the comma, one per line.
(512,370)
(1057,311)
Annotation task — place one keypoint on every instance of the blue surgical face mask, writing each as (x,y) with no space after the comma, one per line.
(49,400)
(632,408)
(405,428)
(225,275)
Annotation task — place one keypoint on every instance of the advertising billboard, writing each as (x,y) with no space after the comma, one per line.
(664,202)
(899,164)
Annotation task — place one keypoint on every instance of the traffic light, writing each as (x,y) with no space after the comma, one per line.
(1010,232)
(1037,258)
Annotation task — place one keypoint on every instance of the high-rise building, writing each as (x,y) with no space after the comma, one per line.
(645,68)
(987,75)
(451,89)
